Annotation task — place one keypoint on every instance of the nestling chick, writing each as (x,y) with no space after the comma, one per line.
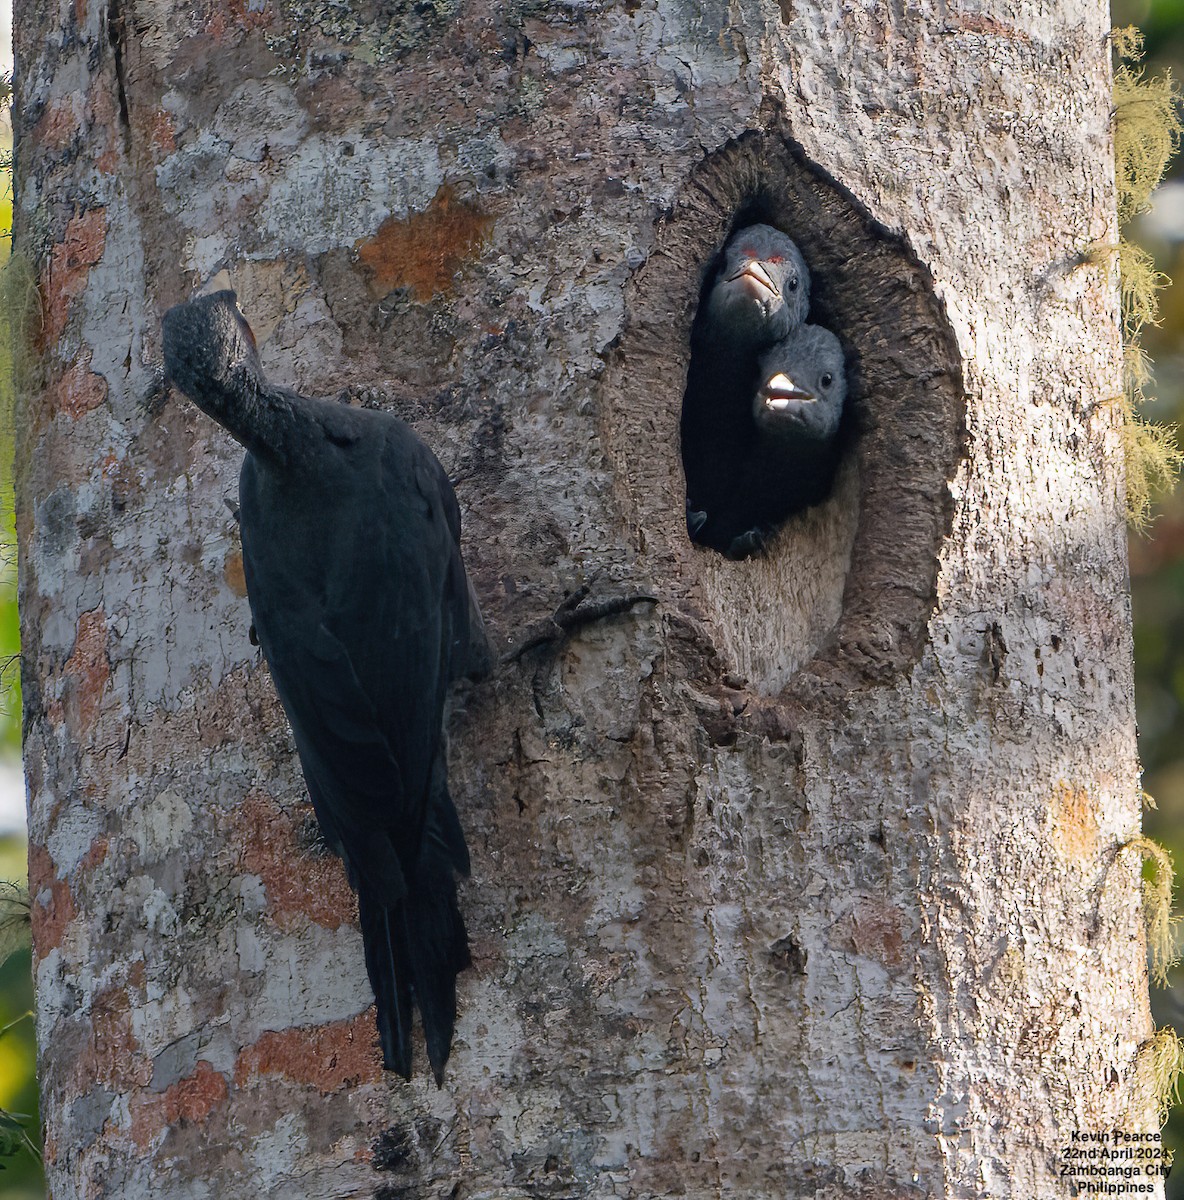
(761,290)
(758,294)
(796,410)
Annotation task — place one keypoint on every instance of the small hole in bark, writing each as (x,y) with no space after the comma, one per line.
(788,955)
(845,589)
(391,1149)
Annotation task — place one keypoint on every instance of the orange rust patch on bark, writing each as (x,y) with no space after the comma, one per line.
(328,1057)
(69,265)
(114,1057)
(50,918)
(162,133)
(42,871)
(105,117)
(195,1097)
(87,672)
(191,1099)
(148,1121)
(1074,822)
(96,853)
(233,573)
(876,931)
(234,17)
(298,885)
(79,391)
(59,124)
(426,250)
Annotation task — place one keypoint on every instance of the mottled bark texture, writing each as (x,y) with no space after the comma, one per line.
(805,880)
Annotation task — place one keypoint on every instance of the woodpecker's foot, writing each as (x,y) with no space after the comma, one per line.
(696,519)
(748,544)
(576,611)
(156,390)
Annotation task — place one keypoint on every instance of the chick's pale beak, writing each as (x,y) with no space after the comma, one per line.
(755,278)
(780,390)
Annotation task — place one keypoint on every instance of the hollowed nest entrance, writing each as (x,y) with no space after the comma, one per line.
(847,587)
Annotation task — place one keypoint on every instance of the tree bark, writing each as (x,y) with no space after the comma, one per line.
(810,879)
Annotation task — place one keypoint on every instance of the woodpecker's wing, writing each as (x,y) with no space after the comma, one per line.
(358,606)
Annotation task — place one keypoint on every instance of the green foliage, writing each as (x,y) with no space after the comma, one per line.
(19,310)
(14,1137)
(1147,128)
(14,918)
(19,1153)
(19,1134)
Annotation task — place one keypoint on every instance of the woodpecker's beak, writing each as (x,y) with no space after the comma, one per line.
(247,328)
(780,390)
(753,276)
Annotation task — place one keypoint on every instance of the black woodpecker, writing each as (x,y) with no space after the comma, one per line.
(351,550)
(796,411)
(758,294)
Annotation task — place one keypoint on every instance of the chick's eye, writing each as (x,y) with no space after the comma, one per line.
(827,379)
(792,283)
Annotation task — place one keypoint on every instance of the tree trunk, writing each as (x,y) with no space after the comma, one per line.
(807,880)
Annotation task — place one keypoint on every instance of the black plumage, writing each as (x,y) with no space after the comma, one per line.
(758,292)
(351,550)
(792,451)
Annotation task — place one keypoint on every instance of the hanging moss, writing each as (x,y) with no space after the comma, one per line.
(1147,128)
(1146,125)
(1158,877)
(1164,1058)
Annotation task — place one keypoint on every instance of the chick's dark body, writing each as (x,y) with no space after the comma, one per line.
(757,293)
(785,448)
(717,436)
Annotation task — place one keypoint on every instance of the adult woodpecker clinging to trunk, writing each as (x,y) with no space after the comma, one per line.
(351,550)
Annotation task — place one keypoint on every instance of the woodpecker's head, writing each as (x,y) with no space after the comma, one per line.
(803,384)
(761,291)
(210,351)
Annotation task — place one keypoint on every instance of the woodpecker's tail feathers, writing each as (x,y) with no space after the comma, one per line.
(416,947)
(439,949)
(443,836)
(388,965)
